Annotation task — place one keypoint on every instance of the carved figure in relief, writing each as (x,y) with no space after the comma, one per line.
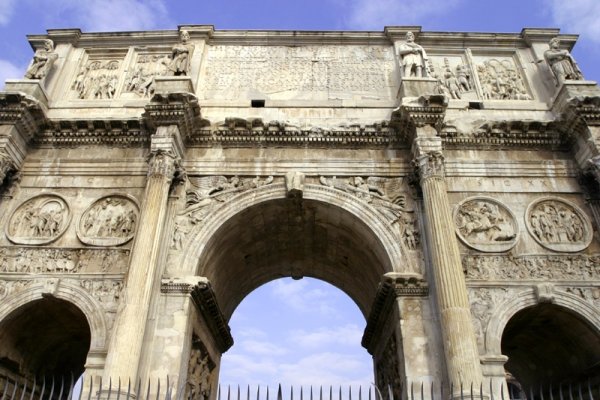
(501,81)
(482,221)
(43,59)
(97,80)
(180,56)
(42,217)
(141,80)
(112,217)
(200,367)
(553,222)
(178,236)
(452,85)
(561,63)
(413,56)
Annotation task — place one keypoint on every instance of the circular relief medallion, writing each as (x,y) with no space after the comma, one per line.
(109,221)
(40,220)
(485,224)
(558,225)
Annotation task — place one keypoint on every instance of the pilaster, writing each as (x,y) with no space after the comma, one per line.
(459,342)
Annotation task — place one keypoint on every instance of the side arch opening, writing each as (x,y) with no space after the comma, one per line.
(45,338)
(550,344)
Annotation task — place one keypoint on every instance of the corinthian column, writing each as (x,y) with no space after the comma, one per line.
(458,335)
(460,347)
(128,333)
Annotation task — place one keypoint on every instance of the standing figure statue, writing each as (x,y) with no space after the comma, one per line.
(179,63)
(42,61)
(562,63)
(413,56)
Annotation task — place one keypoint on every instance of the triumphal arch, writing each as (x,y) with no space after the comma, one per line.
(446,182)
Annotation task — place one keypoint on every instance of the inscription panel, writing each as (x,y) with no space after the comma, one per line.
(304,72)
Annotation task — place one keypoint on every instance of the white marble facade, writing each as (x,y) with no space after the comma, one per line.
(444,181)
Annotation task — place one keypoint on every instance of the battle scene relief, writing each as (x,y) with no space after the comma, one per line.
(109,221)
(39,220)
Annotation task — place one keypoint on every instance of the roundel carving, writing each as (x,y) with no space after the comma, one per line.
(558,225)
(485,224)
(109,221)
(39,220)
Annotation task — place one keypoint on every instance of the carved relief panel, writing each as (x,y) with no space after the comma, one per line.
(558,225)
(140,80)
(454,75)
(39,220)
(199,384)
(97,79)
(485,224)
(388,371)
(109,221)
(501,78)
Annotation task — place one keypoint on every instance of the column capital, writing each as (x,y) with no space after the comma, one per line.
(21,110)
(162,163)
(180,109)
(415,113)
(428,157)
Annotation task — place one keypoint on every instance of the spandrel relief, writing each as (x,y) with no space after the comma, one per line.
(485,225)
(97,80)
(501,79)
(140,81)
(109,221)
(558,225)
(454,77)
(41,219)
(390,196)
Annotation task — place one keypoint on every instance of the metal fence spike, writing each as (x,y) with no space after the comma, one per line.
(99,388)
(590,390)
(570,391)
(472,391)
(128,388)
(248,393)
(412,393)
(291,392)
(119,389)
(24,389)
(228,392)
(580,392)
(491,390)
(239,393)
(91,388)
(501,390)
(279,395)
(431,391)
(550,391)
(5,388)
(267,392)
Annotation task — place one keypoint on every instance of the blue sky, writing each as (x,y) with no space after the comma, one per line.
(311,332)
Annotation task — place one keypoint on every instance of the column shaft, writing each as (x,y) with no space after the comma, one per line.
(128,333)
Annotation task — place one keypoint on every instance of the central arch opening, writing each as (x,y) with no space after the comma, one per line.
(297,332)
(297,238)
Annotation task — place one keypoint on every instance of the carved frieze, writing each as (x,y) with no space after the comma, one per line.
(39,220)
(109,221)
(485,224)
(97,79)
(500,79)
(200,372)
(558,225)
(536,267)
(589,294)
(28,260)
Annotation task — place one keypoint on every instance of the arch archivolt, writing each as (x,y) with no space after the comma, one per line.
(64,290)
(382,228)
(529,297)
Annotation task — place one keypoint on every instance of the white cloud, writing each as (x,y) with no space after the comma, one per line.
(9,71)
(300,297)
(373,14)
(578,16)
(113,15)
(348,335)
(262,348)
(6,11)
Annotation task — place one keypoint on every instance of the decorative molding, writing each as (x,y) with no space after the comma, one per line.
(22,111)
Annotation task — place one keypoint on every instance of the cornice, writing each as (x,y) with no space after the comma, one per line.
(22,111)
(205,301)
(507,135)
(74,133)
(393,285)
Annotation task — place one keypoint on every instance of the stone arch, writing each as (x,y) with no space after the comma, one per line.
(529,298)
(359,214)
(69,292)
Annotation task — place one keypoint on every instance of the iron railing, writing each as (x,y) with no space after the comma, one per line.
(70,389)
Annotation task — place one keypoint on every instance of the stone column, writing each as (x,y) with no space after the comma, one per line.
(128,332)
(460,346)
